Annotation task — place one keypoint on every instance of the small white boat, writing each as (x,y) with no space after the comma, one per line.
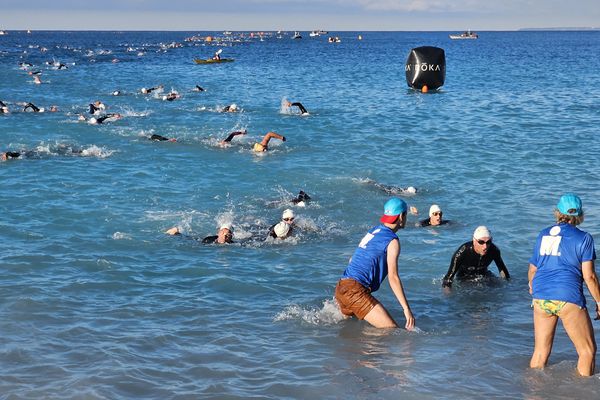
(297,35)
(465,35)
(3,32)
(227,33)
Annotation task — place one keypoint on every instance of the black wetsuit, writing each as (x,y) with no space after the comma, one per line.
(466,264)
(158,138)
(210,239)
(427,222)
(232,135)
(301,197)
(103,118)
(301,107)
(93,108)
(12,154)
(213,239)
(199,89)
(33,107)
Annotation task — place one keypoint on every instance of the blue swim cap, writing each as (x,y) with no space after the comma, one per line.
(392,209)
(570,204)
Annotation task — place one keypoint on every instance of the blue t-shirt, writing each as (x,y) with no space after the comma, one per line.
(368,265)
(558,254)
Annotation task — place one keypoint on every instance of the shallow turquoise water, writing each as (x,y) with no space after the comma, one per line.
(98,303)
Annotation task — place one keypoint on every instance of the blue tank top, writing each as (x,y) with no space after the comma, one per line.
(558,254)
(368,265)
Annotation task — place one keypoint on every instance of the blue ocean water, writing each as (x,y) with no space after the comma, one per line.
(98,303)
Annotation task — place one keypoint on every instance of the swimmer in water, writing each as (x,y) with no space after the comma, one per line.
(150,90)
(100,120)
(435,217)
(229,138)
(96,107)
(62,149)
(299,105)
(264,144)
(159,138)
(116,93)
(9,154)
(171,96)
(37,80)
(283,229)
(301,199)
(230,108)
(32,107)
(393,190)
(198,89)
(3,108)
(224,235)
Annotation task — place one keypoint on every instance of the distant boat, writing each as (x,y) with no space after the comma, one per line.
(297,35)
(465,35)
(322,32)
(227,33)
(3,32)
(212,60)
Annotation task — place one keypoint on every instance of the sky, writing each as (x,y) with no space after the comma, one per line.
(304,15)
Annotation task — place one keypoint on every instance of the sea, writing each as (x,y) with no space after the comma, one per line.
(97,302)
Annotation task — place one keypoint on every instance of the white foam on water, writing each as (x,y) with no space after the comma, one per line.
(328,314)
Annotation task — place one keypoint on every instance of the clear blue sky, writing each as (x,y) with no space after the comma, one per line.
(359,15)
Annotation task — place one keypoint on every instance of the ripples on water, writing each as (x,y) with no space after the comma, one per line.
(99,303)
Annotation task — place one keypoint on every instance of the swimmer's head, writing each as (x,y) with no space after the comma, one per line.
(424,89)
(233,107)
(116,93)
(225,234)
(53,108)
(144,90)
(288,216)
(4,110)
(411,189)
(92,121)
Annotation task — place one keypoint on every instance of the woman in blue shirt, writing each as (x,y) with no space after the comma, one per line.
(563,258)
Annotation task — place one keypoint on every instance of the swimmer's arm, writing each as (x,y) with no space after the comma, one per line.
(454,267)
(232,135)
(530,275)
(591,281)
(301,107)
(501,266)
(393,251)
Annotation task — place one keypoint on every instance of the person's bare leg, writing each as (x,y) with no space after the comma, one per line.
(380,318)
(544,327)
(578,326)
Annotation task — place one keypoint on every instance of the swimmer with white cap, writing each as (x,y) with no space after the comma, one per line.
(435,217)
(284,228)
(224,234)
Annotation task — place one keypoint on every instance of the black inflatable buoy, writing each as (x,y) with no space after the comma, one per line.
(426,66)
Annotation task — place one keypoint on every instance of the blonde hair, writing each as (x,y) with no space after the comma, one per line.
(568,219)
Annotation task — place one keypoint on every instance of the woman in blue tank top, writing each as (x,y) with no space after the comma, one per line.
(563,258)
(375,258)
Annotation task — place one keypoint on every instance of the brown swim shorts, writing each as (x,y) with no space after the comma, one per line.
(353,298)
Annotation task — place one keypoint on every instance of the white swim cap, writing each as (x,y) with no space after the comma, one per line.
(481,232)
(433,209)
(281,230)
(288,214)
(411,189)
(226,225)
